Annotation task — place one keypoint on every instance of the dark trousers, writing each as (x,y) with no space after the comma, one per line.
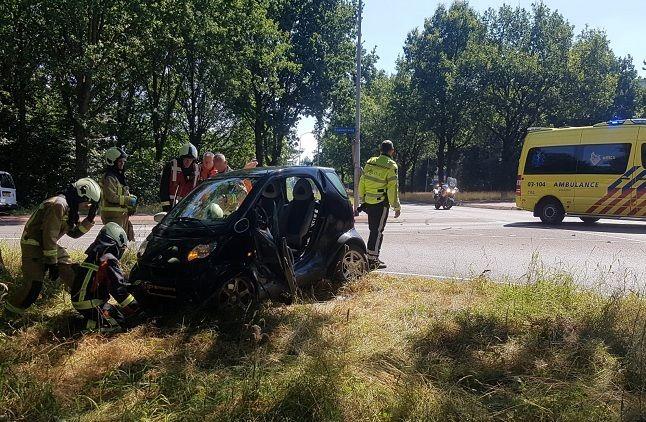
(377,217)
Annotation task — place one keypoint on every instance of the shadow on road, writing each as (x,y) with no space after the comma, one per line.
(581,227)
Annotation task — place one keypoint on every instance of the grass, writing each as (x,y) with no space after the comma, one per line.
(380,348)
(462,196)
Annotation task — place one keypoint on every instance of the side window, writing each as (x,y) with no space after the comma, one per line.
(643,155)
(551,160)
(290,182)
(603,158)
(6,181)
(336,182)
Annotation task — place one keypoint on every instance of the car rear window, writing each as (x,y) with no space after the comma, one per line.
(551,160)
(603,158)
(336,182)
(6,181)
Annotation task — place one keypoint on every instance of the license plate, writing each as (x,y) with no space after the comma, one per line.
(6,193)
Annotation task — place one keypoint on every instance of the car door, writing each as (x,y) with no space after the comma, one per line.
(605,171)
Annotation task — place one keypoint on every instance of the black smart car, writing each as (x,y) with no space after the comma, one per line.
(251,234)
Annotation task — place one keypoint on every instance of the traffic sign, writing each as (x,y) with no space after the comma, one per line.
(344,130)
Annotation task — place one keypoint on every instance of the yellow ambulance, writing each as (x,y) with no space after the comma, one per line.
(588,172)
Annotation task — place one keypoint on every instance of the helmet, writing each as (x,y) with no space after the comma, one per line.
(88,189)
(116,233)
(113,154)
(188,150)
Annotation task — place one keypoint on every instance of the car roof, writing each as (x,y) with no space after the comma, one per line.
(267,171)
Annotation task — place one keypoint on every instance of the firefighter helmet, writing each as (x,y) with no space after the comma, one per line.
(188,150)
(88,189)
(116,233)
(113,154)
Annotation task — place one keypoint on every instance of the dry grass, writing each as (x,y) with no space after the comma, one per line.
(383,348)
(462,196)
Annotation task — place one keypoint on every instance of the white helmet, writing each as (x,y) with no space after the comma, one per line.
(88,189)
(188,150)
(116,233)
(113,154)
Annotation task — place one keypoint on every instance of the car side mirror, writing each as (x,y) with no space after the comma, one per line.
(159,217)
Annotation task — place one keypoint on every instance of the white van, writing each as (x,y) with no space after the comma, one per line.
(7,192)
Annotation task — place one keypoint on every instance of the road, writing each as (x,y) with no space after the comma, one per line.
(503,244)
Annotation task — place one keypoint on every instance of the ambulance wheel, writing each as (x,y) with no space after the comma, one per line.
(551,212)
(589,220)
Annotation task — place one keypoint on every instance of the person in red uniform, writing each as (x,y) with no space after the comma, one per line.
(100,277)
(179,177)
(207,168)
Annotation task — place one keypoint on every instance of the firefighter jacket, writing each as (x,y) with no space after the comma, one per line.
(378,182)
(98,279)
(115,196)
(177,182)
(47,225)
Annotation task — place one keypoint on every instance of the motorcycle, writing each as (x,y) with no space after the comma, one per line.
(444,196)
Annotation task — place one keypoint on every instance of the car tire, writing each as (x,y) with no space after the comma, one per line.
(352,263)
(448,205)
(589,220)
(237,296)
(551,212)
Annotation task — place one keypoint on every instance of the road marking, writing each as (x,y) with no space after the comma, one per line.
(439,277)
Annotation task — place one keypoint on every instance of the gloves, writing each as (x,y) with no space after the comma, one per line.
(132,201)
(91,213)
(52,269)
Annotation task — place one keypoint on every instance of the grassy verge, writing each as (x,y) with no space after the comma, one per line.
(382,348)
(462,196)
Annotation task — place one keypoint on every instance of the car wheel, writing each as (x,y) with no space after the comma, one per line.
(352,263)
(589,220)
(551,212)
(448,205)
(237,295)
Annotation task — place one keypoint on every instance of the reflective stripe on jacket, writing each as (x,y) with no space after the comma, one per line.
(115,196)
(379,182)
(94,284)
(174,184)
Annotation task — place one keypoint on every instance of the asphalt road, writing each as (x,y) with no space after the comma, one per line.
(503,244)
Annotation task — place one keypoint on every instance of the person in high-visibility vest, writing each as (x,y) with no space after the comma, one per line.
(378,191)
(41,253)
(100,277)
(117,204)
(179,177)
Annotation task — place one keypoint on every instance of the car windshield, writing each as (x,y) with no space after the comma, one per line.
(214,201)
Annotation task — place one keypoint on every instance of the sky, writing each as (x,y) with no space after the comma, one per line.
(387,22)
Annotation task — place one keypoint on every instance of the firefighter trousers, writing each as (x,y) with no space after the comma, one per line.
(25,292)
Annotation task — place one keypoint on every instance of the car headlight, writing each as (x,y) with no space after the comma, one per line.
(142,248)
(201,251)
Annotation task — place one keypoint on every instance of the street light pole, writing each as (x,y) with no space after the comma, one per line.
(357,123)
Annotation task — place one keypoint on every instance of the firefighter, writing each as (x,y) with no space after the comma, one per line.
(117,203)
(179,177)
(207,168)
(378,191)
(99,277)
(41,253)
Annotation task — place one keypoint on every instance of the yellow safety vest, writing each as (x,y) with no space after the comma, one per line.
(379,182)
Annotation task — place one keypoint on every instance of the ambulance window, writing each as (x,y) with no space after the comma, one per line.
(6,181)
(551,160)
(603,158)
(643,155)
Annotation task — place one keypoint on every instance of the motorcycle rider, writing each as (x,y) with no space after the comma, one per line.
(99,277)
(117,203)
(378,191)
(41,253)
(179,177)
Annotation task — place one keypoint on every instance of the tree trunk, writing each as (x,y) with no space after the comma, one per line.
(507,171)
(441,158)
(258,134)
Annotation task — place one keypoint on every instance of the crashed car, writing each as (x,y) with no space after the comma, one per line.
(249,235)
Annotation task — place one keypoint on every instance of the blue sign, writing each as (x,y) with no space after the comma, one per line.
(344,130)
